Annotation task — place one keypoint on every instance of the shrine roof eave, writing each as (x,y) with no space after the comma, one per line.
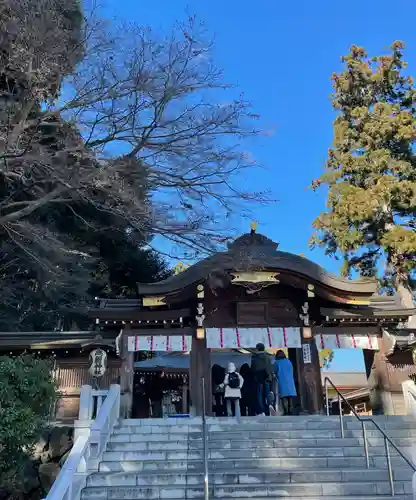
(48,340)
(367,312)
(109,311)
(278,261)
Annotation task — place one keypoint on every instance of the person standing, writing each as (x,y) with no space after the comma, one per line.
(218,374)
(248,392)
(286,381)
(263,372)
(233,383)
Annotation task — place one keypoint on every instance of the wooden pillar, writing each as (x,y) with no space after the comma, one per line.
(200,362)
(200,367)
(126,375)
(312,398)
(310,382)
(301,401)
(185,398)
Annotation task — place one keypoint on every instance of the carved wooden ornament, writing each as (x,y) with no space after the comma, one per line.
(254,277)
(154,301)
(254,281)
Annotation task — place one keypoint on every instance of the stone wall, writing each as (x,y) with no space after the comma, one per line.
(49,455)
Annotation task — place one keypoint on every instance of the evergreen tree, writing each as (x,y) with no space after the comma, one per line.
(371,170)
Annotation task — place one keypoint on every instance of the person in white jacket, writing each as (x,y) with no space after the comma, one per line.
(233,383)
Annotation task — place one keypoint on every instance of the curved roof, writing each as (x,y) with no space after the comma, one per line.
(254,251)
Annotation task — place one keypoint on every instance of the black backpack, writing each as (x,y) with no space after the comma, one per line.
(234,380)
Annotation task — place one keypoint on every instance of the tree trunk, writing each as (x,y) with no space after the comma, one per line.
(406,298)
(405,293)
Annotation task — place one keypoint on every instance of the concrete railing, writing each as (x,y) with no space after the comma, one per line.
(90,402)
(409,393)
(90,440)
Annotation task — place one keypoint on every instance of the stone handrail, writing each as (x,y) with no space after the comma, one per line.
(87,450)
(90,402)
(409,393)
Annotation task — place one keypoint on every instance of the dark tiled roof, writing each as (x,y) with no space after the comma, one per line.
(255,251)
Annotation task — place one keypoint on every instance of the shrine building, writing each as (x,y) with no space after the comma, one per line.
(252,293)
(218,310)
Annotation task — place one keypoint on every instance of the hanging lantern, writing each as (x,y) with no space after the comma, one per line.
(98,363)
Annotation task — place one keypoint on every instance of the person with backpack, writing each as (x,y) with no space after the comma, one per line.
(233,383)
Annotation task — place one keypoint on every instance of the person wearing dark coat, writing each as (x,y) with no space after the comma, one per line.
(262,367)
(248,392)
(218,375)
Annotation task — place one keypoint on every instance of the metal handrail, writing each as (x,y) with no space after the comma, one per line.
(363,420)
(205,441)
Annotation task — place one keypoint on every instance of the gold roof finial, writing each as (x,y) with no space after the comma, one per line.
(253,227)
(180,267)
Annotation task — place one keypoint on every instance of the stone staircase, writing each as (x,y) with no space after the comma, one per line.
(258,458)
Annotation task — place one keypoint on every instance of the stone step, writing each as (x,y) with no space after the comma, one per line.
(264,464)
(157,437)
(245,490)
(159,422)
(283,423)
(166,429)
(262,450)
(304,463)
(349,497)
(155,446)
(307,490)
(298,463)
(242,477)
(313,425)
(226,443)
(254,431)
(380,419)
(147,466)
(289,434)
(116,456)
(352,451)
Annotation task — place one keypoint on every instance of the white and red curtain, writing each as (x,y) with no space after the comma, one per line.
(235,338)
(160,343)
(346,341)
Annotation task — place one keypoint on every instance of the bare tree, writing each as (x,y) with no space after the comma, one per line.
(136,124)
(139,102)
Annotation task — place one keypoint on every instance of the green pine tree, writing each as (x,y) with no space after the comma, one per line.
(371,170)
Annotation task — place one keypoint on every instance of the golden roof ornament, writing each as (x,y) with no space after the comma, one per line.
(253,227)
(180,267)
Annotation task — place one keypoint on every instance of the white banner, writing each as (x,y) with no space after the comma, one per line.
(234,338)
(346,341)
(160,343)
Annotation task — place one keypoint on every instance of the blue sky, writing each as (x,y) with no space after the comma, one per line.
(282,55)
